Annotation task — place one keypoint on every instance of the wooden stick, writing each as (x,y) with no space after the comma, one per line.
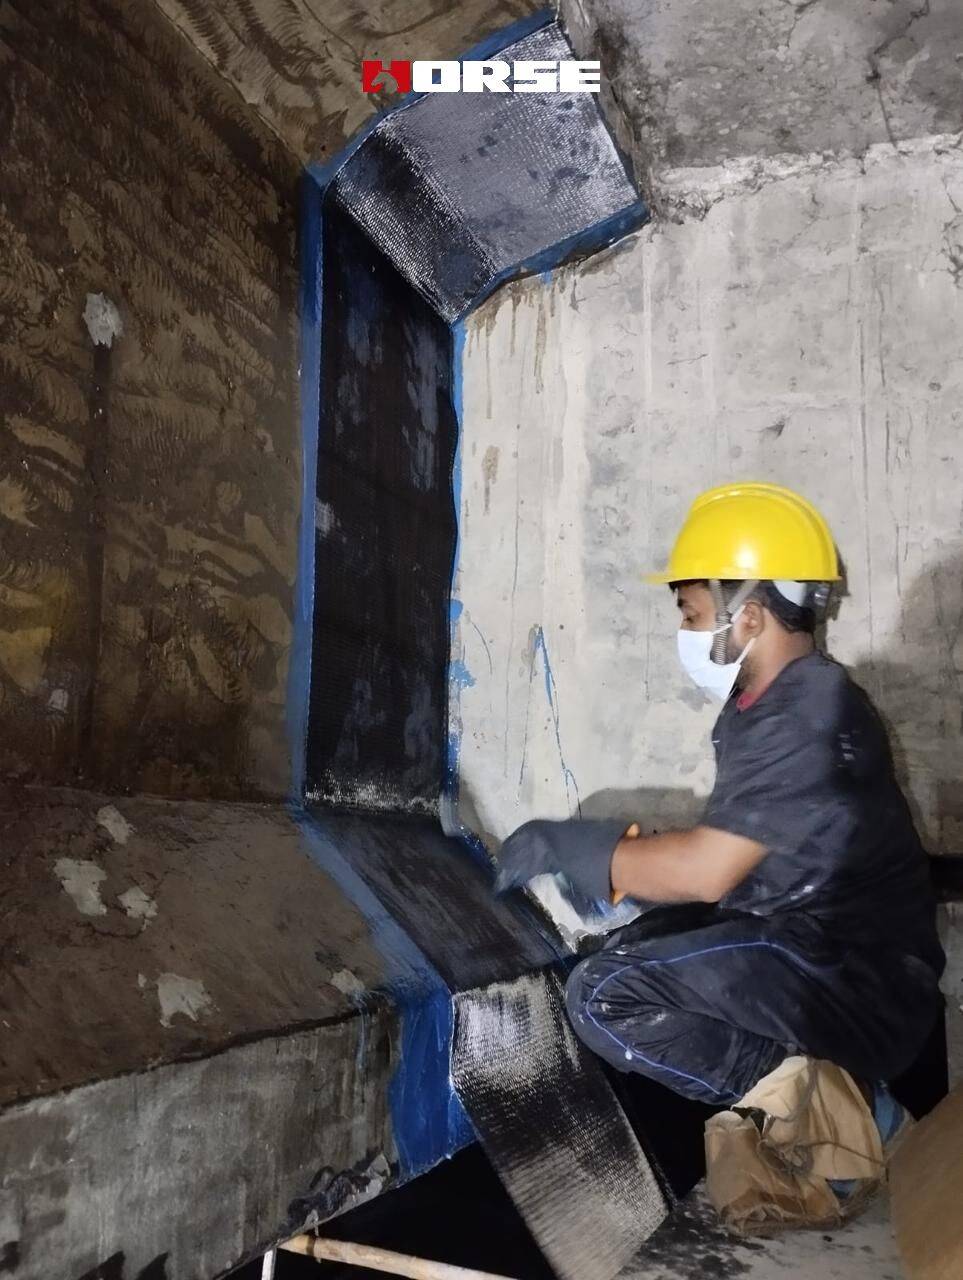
(365,1255)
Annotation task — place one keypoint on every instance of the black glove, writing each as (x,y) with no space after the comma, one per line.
(580,851)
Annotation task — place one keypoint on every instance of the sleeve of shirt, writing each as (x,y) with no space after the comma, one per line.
(762,781)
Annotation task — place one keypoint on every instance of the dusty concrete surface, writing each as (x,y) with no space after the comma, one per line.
(137,931)
(298,62)
(799,326)
(231,997)
(693,1246)
(185,1170)
(951,934)
(697,84)
(149,491)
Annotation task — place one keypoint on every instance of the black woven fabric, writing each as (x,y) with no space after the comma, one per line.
(459,188)
(385,531)
(552,1127)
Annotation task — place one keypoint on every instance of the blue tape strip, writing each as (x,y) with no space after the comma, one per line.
(428,1120)
(459,677)
(299,663)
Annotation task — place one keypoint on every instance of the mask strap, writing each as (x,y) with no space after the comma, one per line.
(726,614)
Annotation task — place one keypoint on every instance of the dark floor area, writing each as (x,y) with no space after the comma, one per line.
(459,1213)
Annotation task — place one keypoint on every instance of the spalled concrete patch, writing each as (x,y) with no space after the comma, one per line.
(137,904)
(81,881)
(347,982)
(114,823)
(184,996)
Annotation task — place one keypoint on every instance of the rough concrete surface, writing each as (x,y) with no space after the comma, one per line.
(951,934)
(185,1170)
(207,925)
(696,84)
(298,62)
(799,326)
(148,490)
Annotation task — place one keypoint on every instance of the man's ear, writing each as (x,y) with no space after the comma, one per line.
(755,617)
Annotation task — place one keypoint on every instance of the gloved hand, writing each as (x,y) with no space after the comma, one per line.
(579,850)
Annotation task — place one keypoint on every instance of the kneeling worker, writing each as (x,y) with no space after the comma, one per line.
(822,940)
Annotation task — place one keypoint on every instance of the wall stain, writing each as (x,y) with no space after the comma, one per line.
(489,472)
(298,62)
(10,1255)
(146,590)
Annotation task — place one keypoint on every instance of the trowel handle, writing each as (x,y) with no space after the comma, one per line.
(633,833)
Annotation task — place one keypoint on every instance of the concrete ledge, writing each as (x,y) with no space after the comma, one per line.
(220,1020)
(187,1169)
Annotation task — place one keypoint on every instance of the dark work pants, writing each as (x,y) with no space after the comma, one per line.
(711,1010)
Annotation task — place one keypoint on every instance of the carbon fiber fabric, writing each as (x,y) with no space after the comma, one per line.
(458,189)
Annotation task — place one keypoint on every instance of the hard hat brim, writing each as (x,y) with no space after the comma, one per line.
(668,576)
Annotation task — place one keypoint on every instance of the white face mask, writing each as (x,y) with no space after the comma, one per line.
(695,654)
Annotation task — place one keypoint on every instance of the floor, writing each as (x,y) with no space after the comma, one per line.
(693,1246)
(459,1214)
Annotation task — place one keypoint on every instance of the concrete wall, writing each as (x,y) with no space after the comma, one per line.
(800,325)
(298,62)
(188,1169)
(689,83)
(149,496)
(149,493)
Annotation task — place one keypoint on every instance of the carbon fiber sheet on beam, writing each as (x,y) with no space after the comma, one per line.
(385,533)
(553,1128)
(457,189)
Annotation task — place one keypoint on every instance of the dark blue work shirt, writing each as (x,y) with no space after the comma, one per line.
(807,771)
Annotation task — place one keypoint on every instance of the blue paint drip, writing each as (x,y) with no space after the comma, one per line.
(428,1119)
(299,666)
(551,693)
(455,608)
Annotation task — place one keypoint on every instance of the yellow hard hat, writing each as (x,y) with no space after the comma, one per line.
(752,531)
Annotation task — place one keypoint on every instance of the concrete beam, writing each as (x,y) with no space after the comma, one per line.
(694,84)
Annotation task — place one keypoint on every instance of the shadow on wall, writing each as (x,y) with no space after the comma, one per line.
(653,808)
(916,683)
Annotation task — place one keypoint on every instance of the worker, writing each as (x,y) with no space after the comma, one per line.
(819,935)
